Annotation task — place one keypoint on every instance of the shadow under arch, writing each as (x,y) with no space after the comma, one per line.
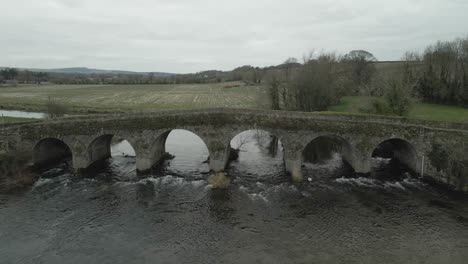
(257,155)
(399,150)
(187,153)
(328,154)
(107,146)
(51,151)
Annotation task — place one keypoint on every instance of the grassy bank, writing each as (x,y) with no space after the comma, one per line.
(353,104)
(7,119)
(112,98)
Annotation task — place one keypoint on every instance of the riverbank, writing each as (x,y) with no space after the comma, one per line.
(8,119)
(15,174)
(420,110)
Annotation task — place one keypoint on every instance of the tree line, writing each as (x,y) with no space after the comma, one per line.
(13,76)
(320,80)
(438,75)
(443,77)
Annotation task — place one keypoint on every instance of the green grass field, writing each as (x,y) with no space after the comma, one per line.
(352,104)
(135,97)
(121,98)
(7,119)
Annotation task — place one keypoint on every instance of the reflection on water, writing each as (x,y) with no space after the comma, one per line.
(174,217)
(122,149)
(327,169)
(22,114)
(190,154)
(256,161)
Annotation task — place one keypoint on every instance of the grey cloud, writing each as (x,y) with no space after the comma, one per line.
(188,36)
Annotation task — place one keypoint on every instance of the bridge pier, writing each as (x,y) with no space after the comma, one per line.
(294,168)
(99,149)
(150,150)
(145,159)
(80,161)
(219,158)
(143,164)
(86,150)
(361,164)
(293,165)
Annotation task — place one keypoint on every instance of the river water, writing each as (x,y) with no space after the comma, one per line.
(172,216)
(22,114)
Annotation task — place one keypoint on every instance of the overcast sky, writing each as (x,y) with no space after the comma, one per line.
(192,35)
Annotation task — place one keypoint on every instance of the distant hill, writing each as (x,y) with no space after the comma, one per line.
(84,70)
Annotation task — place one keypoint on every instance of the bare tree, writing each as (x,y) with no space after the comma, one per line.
(56,109)
(398,97)
(274,81)
(315,84)
(445,73)
(362,68)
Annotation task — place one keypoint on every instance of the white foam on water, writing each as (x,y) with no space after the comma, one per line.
(66,182)
(394,185)
(258,196)
(166,180)
(243,189)
(199,183)
(335,162)
(292,188)
(284,187)
(373,183)
(90,180)
(260,185)
(263,192)
(413,183)
(41,182)
(173,181)
(361,181)
(379,162)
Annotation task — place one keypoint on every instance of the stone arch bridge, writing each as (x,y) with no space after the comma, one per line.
(428,148)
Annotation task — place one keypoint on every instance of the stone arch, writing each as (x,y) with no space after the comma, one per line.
(273,142)
(100,148)
(157,150)
(49,151)
(324,146)
(258,152)
(398,149)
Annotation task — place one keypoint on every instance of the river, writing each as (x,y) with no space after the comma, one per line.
(22,114)
(173,216)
